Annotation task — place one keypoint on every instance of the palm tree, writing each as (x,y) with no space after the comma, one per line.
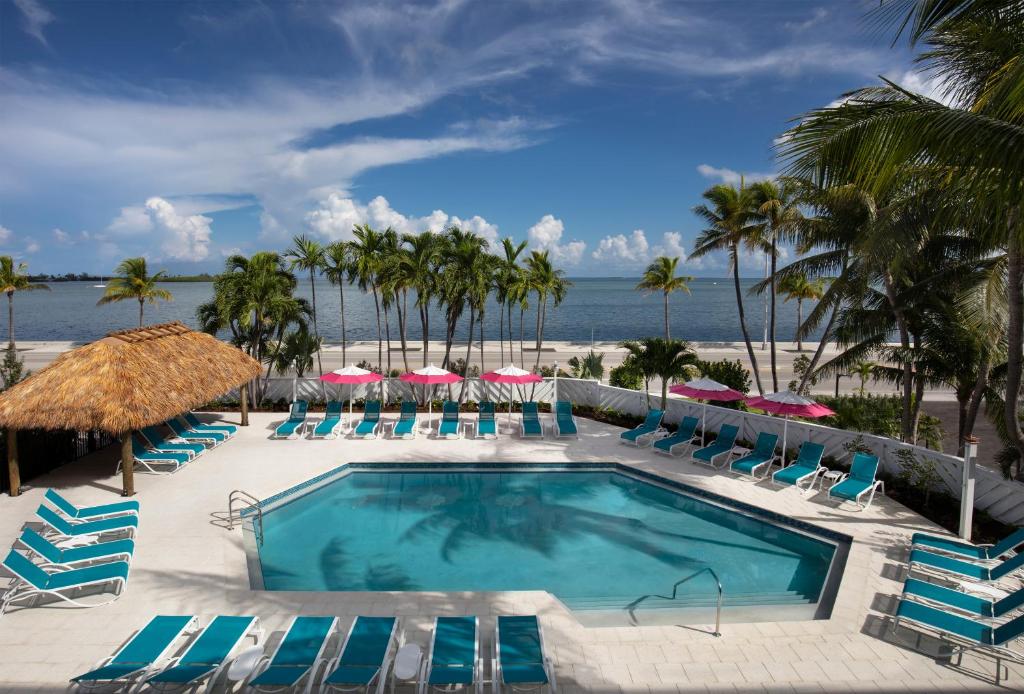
(863,370)
(666,359)
(134,282)
(418,265)
(14,278)
(507,275)
(337,265)
(660,276)
(797,286)
(545,281)
(729,216)
(307,254)
(367,251)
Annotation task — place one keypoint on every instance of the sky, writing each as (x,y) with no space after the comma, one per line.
(189,131)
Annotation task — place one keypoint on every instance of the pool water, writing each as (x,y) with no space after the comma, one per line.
(596,539)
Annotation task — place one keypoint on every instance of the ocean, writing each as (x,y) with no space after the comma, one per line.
(602,309)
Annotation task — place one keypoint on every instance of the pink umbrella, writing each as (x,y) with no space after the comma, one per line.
(430,375)
(706,389)
(511,375)
(788,403)
(351,375)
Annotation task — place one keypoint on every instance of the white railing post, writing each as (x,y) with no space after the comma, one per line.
(967,488)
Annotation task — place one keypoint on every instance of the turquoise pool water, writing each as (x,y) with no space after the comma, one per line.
(596,539)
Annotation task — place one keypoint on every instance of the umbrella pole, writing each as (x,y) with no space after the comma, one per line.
(704,424)
(785,431)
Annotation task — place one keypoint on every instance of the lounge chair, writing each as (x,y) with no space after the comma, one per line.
(859,482)
(327,428)
(69,556)
(649,428)
(684,436)
(141,655)
(454,656)
(158,442)
(964,633)
(61,527)
(486,425)
(90,512)
(207,438)
(289,428)
(762,456)
(565,423)
(364,658)
(520,660)
(448,428)
(806,467)
(946,566)
(31,581)
(208,655)
(530,425)
(721,447)
(973,606)
(370,424)
(150,458)
(299,651)
(405,427)
(196,425)
(967,550)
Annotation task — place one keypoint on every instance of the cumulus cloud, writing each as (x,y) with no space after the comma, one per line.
(5,234)
(181,236)
(633,251)
(62,238)
(32,246)
(35,17)
(546,235)
(731,177)
(337,214)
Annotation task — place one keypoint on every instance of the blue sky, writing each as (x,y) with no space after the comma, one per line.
(188,131)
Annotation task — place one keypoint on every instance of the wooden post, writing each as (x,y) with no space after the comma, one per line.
(127,465)
(243,402)
(13,473)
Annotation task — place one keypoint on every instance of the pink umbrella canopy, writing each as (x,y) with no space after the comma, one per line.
(511,374)
(706,389)
(788,403)
(430,375)
(351,375)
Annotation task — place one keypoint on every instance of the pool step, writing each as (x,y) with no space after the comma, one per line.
(687,601)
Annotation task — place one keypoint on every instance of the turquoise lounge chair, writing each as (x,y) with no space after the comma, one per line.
(486,425)
(762,456)
(61,527)
(208,655)
(454,656)
(965,634)
(520,660)
(90,512)
(193,421)
(942,597)
(289,428)
(448,428)
(69,556)
(944,566)
(859,482)
(683,437)
(150,458)
(327,428)
(807,466)
(565,422)
(530,425)
(31,582)
(299,651)
(141,655)
(158,442)
(721,447)
(405,427)
(364,658)
(370,424)
(650,427)
(967,550)
(207,438)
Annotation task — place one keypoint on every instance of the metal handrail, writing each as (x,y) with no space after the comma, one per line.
(675,590)
(249,501)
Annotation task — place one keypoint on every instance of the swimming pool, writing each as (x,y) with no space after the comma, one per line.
(596,537)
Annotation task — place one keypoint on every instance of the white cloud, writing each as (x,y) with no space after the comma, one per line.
(184,237)
(32,246)
(818,15)
(546,235)
(35,18)
(914,81)
(5,234)
(337,214)
(628,250)
(133,219)
(62,238)
(731,177)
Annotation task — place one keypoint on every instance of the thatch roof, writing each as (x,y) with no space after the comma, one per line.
(127,380)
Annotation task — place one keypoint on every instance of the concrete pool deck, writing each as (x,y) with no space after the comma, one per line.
(187,562)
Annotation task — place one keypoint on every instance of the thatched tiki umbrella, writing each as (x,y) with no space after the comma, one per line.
(128,380)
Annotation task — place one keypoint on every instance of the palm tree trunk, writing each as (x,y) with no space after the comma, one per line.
(822,342)
(522,360)
(387,333)
(501,334)
(425,327)
(469,353)
(906,418)
(743,320)
(482,369)
(540,328)
(536,337)
(511,347)
(799,322)
(1014,336)
(667,335)
(771,318)
(10,321)
(316,329)
(344,337)
(380,344)
(403,314)
(974,402)
(141,304)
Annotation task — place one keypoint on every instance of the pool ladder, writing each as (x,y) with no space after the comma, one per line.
(675,591)
(245,501)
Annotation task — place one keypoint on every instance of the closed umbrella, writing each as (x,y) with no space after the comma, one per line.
(706,389)
(430,375)
(788,403)
(511,374)
(351,375)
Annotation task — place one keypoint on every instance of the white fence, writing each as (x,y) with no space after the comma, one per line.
(1002,499)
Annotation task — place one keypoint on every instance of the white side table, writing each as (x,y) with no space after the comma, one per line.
(407,665)
(739,451)
(831,476)
(244,665)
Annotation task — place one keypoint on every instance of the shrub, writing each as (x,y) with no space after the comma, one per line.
(730,373)
(627,375)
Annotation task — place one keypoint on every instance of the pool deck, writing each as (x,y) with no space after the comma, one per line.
(187,562)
